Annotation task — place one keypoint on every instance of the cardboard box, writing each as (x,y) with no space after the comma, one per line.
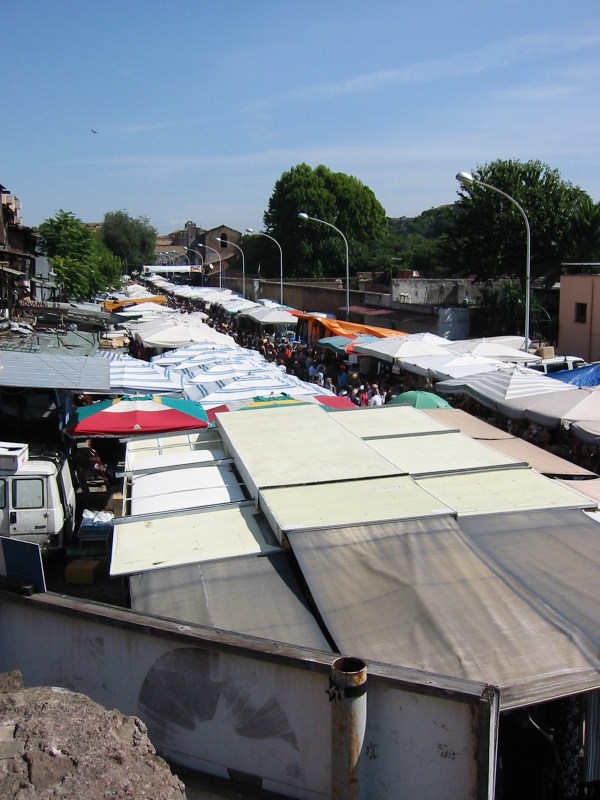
(13,455)
(545,352)
(82,570)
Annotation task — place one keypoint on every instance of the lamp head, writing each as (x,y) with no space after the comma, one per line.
(302,215)
(465,178)
(249,230)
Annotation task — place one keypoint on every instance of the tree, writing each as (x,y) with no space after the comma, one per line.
(82,263)
(585,233)
(131,240)
(488,239)
(314,250)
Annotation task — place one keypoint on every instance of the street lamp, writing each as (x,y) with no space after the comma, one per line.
(237,247)
(212,250)
(262,233)
(305,217)
(466,179)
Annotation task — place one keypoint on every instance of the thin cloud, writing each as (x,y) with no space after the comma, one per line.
(504,54)
(538,93)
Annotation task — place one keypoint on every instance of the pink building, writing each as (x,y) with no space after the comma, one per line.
(579,316)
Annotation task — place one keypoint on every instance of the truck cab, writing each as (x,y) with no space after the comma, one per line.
(37,497)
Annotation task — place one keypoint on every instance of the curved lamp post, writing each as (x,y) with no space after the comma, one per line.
(305,217)
(237,247)
(261,233)
(212,250)
(466,179)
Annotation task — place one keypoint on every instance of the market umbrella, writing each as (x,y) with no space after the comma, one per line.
(180,335)
(492,349)
(270,316)
(133,375)
(419,399)
(395,348)
(498,388)
(450,365)
(345,344)
(574,405)
(210,350)
(135,414)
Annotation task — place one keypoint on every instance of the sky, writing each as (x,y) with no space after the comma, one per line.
(200,107)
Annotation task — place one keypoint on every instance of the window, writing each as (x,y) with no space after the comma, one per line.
(581,312)
(223,241)
(28,493)
(2,494)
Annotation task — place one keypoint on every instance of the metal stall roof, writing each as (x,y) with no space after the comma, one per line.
(173,539)
(50,371)
(387,421)
(256,596)
(446,451)
(347,503)
(178,445)
(498,490)
(503,441)
(507,599)
(295,445)
(188,487)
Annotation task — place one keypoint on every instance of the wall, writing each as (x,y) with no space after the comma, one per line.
(579,338)
(229,704)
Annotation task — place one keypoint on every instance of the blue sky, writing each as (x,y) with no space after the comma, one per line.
(201,106)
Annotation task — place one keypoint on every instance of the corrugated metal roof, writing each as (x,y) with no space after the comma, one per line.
(257,596)
(469,598)
(165,541)
(49,371)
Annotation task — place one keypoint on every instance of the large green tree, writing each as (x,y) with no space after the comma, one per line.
(584,244)
(83,265)
(133,240)
(488,239)
(311,249)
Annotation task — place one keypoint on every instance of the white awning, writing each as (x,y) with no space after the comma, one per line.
(170,540)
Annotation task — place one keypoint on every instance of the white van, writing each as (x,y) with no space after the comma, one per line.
(37,500)
(557,364)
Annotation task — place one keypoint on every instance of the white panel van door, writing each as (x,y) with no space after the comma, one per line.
(28,509)
(4,529)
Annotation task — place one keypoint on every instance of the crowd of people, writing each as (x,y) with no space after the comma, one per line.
(335,371)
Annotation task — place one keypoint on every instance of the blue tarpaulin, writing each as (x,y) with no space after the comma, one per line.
(582,376)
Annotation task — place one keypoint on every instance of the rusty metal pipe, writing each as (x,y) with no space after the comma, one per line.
(348,695)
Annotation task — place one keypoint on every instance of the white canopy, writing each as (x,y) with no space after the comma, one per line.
(132,375)
(270,316)
(494,389)
(493,349)
(395,348)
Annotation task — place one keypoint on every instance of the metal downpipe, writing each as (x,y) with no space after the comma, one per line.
(348,695)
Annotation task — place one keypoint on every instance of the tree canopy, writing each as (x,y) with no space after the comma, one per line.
(311,249)
(488,239)
(83,265)
(132,239)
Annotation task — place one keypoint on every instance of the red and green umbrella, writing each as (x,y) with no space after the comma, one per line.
(137,414)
